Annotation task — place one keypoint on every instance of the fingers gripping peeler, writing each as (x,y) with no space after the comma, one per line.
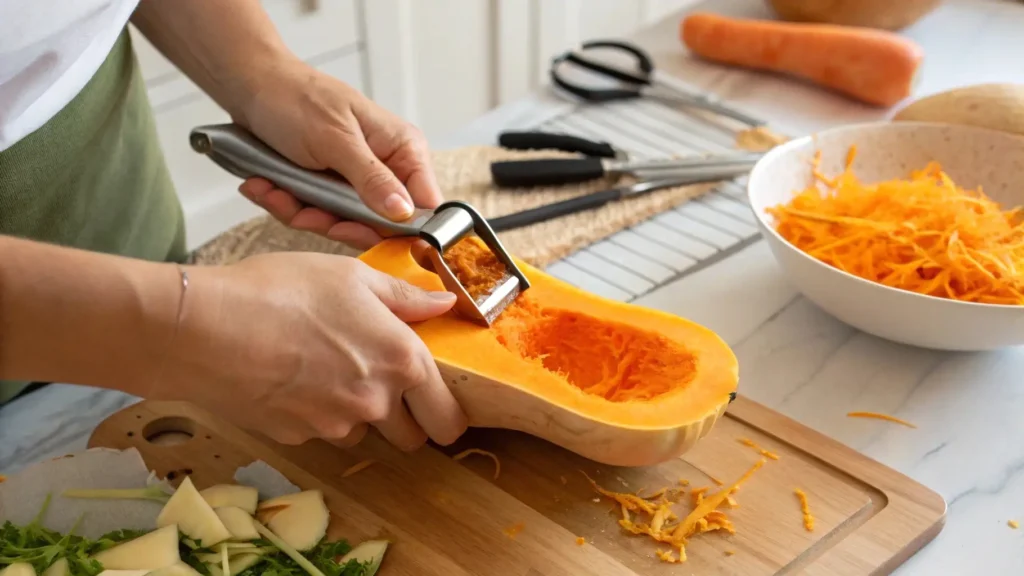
(239,152)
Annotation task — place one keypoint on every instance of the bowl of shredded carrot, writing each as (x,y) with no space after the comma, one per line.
(912,232)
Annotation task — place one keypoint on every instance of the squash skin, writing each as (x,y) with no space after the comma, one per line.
(498,389)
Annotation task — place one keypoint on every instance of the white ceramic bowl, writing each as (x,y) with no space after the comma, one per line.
(971,156)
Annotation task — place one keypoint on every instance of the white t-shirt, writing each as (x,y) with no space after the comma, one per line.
(49,49)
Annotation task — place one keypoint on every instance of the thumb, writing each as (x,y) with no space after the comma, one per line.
(409,303)
(376,184)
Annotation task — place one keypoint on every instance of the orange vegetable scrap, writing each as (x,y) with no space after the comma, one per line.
(762,451)
(514,530)
(662,526)
(1013,524)
(878,416)
(697,495)
(922,234)
(3,478)
(730,552)
(355,468)
(806,509)
(684,482)
(581,541)
(497,463)
(716,480)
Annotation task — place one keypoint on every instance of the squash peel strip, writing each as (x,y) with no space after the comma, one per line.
(705,516)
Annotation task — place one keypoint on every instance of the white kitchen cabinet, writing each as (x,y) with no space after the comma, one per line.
(437,63)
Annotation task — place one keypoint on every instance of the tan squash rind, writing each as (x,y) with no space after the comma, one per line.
(993,106)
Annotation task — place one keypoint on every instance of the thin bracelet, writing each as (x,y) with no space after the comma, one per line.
(181,300)
(183,274)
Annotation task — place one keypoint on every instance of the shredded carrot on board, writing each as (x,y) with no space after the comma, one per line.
(762,451)
(497,463)
(662,528)
(879,416)
(1013,524)
(922,234)
(581,541)
(514,530)
(730,552)
(805,507)
(684,482)
(357,467)
(3,478)
(716,480)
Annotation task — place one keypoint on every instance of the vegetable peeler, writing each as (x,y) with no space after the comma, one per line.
(239,152)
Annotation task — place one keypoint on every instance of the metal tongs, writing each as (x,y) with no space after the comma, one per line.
(242,154)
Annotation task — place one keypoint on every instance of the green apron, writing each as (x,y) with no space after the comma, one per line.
(94,176)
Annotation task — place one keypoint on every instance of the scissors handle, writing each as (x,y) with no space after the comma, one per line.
(637,79)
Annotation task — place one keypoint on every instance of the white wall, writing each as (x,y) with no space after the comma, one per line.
(437,63)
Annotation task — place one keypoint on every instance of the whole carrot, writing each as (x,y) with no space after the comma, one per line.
(873,66)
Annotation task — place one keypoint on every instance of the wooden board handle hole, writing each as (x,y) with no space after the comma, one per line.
(169,431)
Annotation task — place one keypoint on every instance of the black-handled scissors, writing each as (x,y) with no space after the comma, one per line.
(640,82)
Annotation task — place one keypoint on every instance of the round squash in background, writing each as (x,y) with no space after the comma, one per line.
(993,106)
(881,14)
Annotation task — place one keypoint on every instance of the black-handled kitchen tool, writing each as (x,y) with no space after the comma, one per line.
(597,199)
(639,82)
(242,154)
(558,171)
(533,140)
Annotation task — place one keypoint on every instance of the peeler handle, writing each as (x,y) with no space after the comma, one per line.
(545,171)
(555,141)
(242,154)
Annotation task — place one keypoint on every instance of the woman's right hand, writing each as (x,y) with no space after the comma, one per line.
(305,345)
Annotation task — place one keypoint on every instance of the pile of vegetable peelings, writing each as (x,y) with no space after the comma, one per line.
(222,531)
(923,234)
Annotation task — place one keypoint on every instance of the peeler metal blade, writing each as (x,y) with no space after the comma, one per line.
(453,221)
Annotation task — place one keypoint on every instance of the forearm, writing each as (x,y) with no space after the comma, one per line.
(85,318)
(224,46)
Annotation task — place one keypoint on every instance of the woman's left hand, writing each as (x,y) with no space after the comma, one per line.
(319,122)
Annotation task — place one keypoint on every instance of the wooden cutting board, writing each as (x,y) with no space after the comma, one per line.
(451,518)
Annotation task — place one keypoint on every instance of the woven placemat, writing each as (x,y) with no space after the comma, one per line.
(464,174)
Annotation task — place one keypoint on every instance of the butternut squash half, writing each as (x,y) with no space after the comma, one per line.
(613,382)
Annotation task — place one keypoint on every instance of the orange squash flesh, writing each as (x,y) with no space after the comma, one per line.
(615,382)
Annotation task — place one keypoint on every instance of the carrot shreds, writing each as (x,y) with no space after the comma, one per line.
(581,541)
(880,416)
(684,482)
(730,552)
(514,530)
(716,480)
(761,451)
(356,468)
(687,526)
(657,521)
(923,234)
(465,453)
(3,478)
(1013,524)
(805,507)
(697,495)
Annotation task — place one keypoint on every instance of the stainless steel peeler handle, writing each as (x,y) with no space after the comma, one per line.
(242,154)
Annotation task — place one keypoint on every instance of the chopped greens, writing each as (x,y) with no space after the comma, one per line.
(40,547)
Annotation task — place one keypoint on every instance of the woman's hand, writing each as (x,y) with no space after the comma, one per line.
(319,122)
(305,345)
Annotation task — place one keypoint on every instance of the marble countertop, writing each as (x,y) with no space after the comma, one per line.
(969,440)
